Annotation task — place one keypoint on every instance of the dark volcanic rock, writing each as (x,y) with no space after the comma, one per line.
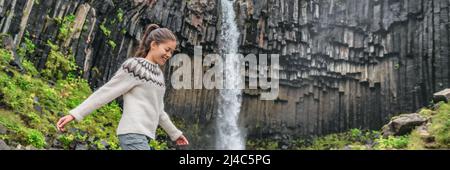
(443,95)
(345,63)
(403,124)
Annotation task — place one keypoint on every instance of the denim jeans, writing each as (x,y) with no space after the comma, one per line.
(133,141)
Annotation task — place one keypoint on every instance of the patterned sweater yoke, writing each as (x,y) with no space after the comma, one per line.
(141,83)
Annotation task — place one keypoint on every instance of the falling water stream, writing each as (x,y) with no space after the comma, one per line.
(229,135)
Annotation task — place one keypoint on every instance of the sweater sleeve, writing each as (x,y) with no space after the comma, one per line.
(169,127)
(119,84)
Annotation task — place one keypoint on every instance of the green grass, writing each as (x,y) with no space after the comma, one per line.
(415,141)
(440,126)
(20,133)
(392,142)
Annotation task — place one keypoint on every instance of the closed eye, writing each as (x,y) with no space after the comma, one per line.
(170,50)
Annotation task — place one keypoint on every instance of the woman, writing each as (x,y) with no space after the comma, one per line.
(141,82)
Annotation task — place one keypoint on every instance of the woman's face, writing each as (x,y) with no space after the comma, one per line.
(160,53)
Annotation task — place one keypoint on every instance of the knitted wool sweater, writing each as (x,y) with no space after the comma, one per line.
(141,83)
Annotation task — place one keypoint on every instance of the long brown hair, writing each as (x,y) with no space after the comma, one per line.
(153,33)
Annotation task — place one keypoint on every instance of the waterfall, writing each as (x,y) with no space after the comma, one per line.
(229,135)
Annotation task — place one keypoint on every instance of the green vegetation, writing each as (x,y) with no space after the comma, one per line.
(33,101)
(107,34)
(58,64)
(27,46)
(123,31)
(105,30)
(20,133)
(65,26)
(262,145)
(440,126)
(112,44)
(120,15)
(356,139)
(415,141)
(392,142)
(353,139)
(397,66)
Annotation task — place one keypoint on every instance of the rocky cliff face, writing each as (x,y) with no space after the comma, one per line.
(345,63)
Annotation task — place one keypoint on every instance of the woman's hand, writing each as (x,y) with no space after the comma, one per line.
(182,141)
(63,121)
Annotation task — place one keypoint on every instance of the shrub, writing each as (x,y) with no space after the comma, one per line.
(35,138)
(392,142)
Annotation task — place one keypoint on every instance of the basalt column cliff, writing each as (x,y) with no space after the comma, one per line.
(344,63)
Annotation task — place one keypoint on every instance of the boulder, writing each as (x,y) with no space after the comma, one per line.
(4,146)
(30,147)
(3,130)
(443,95)
(81,146)
(403,124)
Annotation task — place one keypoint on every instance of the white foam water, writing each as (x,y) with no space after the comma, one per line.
(229,135)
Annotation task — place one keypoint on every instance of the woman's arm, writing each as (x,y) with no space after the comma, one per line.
(169,127)
(172,130)
(119,84)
